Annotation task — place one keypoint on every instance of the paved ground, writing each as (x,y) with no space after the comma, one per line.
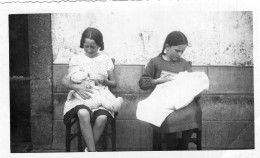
(21,147)
(28,148)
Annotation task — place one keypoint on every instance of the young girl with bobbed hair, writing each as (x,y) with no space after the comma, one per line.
(100,69)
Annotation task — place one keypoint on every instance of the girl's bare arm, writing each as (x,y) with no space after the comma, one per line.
(111,80)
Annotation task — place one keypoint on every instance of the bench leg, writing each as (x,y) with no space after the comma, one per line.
(113,126)
(68,132)
(157,141)
(79,138)
(198,139)
(104,139)
(186,137)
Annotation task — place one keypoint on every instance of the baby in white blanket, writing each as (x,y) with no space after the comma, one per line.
(172,95)
(101,96)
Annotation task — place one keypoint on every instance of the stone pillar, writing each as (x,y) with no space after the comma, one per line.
(40,55)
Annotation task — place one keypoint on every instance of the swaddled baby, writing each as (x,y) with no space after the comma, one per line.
(171,96)
(101,96)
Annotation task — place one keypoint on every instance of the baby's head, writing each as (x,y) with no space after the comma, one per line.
(79,76)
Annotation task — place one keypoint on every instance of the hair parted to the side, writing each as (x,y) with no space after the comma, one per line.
(94,34)
(174,38)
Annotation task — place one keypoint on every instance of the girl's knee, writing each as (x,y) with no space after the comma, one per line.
(101,120)
(83,114)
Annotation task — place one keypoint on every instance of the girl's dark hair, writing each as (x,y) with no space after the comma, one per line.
(174,38)
(94,34)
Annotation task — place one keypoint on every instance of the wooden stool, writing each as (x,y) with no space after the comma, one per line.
(70,136)
(187,119)
(158,140)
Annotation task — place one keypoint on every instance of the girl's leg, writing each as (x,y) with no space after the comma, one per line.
(86,129)
(99,126)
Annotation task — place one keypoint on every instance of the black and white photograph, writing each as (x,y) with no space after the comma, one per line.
(140,78)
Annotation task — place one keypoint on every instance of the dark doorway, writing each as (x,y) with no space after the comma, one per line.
(19,82)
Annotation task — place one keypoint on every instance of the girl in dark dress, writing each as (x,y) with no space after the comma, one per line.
(170,60)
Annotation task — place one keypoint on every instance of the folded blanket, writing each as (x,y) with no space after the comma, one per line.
(171,96)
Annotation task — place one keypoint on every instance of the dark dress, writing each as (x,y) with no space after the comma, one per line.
(183,119)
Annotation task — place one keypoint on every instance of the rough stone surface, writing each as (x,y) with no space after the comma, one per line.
(227,107)
(40,46)
(133,134)
(231,80)
(126,75)
(40,55)
(40,65)
(221,134)
(58,105)
(40,29)
(58,73)
(59,130)
(41,129)
(245,140)
(41,97)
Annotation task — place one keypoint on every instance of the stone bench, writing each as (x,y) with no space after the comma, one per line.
(227,108)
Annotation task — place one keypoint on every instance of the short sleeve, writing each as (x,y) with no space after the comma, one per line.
(73,61)
(110,65)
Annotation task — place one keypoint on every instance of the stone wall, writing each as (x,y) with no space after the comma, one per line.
(215,37)
(40,58)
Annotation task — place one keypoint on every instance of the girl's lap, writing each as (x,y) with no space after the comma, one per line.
(101,112)
(73,113)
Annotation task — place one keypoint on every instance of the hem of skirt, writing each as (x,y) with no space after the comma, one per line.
(72,112)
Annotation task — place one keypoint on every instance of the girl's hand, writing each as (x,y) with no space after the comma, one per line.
(103,80)
(165,78)
(83,90)
(170,77)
